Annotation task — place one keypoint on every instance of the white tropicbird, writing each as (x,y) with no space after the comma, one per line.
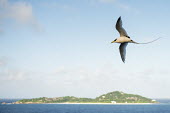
(124,39)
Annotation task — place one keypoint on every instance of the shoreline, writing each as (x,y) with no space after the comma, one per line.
(105,103)
(94,103)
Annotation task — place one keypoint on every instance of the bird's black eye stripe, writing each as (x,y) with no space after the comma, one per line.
(115,39)
(128,36)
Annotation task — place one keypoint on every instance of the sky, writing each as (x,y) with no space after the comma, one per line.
(54,48)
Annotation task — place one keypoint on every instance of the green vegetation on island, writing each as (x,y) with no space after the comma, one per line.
(112,97)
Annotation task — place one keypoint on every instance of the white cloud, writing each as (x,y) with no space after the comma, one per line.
(92,82)
(106,79)
(20,12)
(15,75)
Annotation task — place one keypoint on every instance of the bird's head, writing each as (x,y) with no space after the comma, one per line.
(114,41)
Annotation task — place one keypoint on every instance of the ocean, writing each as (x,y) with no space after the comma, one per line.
(84,108)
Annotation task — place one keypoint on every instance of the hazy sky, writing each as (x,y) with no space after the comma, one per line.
(57,48)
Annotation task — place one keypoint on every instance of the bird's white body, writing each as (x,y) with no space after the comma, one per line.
(123,39)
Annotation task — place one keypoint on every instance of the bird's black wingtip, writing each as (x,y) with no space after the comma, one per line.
(123,60)
(119,19)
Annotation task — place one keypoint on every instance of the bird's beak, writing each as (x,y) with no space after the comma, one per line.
(113,42)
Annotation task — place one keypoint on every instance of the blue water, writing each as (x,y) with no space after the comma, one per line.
(77,108)
(70,108)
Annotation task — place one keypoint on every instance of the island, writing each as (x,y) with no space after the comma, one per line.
(115,97)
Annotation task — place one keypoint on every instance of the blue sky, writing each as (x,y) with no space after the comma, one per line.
(57,48)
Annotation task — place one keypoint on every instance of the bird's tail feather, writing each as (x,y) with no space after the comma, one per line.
(146,42)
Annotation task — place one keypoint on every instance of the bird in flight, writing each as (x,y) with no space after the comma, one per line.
(124,39)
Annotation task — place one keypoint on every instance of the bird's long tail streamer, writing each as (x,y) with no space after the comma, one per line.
(146,42)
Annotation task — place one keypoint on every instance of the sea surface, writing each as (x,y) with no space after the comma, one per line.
(84,108)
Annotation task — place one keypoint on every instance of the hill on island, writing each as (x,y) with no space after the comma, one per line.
(112,97)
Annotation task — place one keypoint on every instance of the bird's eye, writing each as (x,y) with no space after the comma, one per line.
(115,39)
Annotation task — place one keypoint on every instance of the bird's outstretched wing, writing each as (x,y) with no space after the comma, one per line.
(122,49)
(119,27)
